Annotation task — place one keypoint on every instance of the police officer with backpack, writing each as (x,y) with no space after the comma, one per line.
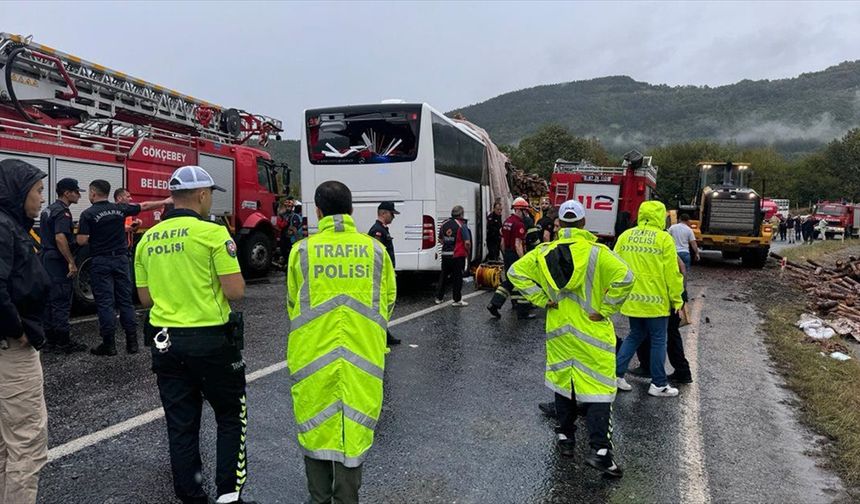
(456,242)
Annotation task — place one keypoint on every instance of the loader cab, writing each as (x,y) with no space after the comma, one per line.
(726,175)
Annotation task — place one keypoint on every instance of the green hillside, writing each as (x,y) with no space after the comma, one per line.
(796,115)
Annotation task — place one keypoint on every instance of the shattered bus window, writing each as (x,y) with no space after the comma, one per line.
(363,135)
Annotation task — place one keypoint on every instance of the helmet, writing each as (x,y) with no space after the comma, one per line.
(520,204)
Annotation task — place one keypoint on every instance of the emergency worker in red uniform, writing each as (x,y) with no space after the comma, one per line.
(513,247)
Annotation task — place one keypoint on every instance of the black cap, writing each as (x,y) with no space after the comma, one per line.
(388,205)
(68,184)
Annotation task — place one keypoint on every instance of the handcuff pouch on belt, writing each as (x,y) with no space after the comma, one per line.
(197,339)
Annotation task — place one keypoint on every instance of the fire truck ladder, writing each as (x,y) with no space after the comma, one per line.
(44,83)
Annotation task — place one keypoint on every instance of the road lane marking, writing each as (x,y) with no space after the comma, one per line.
(694,477)
(115,430)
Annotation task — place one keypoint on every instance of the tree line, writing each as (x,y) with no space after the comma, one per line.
(831,172)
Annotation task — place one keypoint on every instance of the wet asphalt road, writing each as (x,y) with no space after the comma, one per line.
(460,422)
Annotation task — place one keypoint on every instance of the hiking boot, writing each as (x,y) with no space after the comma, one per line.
(664,391)
(494,310)
(131,347)
(548,409)
(566,446)
(602,461)
(622,384)
(684,379)
(104,350)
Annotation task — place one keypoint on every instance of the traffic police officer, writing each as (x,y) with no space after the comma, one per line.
(186,270)
(581,283)
(55,234)
(102,227)
(341,292)
(513,247)
(650,252)
(385,213)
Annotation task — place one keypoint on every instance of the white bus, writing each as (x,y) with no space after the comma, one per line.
(407,153)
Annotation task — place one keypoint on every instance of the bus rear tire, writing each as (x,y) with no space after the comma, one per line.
(255,254)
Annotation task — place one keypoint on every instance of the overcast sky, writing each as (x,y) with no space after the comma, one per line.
(280,58)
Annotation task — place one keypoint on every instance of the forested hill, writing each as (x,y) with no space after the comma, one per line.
(796,115)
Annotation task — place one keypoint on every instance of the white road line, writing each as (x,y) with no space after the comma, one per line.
(115,430)
(694,477)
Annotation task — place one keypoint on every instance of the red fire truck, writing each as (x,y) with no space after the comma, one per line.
(74,118)
(611,194)
(840,217)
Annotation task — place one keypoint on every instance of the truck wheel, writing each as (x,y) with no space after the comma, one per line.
(82,292)
(754,258)
(255,254)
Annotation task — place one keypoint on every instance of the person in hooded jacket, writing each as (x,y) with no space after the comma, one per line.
(24,288)
(650,252)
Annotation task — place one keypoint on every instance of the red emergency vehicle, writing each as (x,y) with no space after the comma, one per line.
(841,218)
(74,118)
(611,194)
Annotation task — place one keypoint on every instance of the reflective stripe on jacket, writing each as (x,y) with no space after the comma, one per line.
(650,252)
(580,353)
(340,295)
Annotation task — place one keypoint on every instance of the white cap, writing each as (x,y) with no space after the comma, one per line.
(571,211)
(192,177)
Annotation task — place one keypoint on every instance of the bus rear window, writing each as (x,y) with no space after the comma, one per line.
(384,136)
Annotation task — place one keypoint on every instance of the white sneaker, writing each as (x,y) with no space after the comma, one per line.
(459,303)
(622,384)
(438,301)
(664,391)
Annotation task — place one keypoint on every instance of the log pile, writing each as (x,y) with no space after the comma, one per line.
(834,291)
(529,184)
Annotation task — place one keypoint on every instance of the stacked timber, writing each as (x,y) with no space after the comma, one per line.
(530,184)
(833,291)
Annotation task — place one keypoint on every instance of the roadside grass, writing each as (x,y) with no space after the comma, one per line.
(817,250)
(829,390)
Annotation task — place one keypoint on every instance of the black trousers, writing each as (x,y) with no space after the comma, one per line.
(111,283)
(674,348)
(493,250)
(331,482)
(184,381)
(598,419)
(506,289)
(59,306)
(452,267)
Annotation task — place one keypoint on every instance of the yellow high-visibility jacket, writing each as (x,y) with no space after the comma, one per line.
(650,252)
(340,295)
(580,353)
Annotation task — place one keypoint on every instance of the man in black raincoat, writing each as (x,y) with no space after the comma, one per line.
(23,290)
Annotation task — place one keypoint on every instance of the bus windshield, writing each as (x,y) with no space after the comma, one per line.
(355,135)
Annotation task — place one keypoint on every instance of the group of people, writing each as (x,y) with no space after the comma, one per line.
(803,228)
(341,292)
(581,284)
(107,228)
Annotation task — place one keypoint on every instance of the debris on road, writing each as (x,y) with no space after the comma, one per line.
(814,327)
(834,294)
(840,356)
